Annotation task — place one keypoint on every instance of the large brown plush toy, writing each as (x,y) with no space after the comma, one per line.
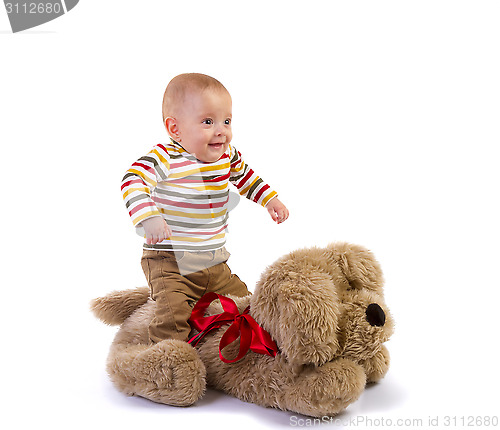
(324,308)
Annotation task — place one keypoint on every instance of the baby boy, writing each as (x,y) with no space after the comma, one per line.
(179,194)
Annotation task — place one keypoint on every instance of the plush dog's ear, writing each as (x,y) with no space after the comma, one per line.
(309,314)
(300,310)
(358,265)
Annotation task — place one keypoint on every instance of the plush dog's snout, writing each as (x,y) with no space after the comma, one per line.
(375,315)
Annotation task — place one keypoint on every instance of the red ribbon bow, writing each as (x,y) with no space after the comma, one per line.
(252,335)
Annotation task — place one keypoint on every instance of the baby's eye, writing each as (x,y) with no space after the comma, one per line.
(208,121)
(227,121)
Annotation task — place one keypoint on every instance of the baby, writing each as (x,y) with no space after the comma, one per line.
(179,194)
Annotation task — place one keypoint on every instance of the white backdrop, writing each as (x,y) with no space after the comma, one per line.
(378,124)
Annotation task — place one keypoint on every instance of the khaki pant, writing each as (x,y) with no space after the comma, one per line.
(176,294)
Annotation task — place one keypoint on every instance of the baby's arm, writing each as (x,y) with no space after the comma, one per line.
(157,230)
(277,210)
(254,188)
(137,187)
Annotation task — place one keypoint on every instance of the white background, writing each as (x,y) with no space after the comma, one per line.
(377,122)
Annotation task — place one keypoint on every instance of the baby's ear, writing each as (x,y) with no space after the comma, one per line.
(358,265)
(172,128)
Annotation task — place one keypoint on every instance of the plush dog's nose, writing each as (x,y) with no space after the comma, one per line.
(375,315)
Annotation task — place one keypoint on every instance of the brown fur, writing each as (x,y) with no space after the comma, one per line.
(117,306)
(313,303)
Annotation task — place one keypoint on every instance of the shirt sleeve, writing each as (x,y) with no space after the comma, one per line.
(247,182)
(139,182)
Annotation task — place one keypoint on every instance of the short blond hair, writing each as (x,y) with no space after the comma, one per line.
(178,86)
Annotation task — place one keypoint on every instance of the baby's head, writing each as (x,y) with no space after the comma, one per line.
(197,112)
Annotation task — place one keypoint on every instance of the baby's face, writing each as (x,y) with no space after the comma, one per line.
(204,122)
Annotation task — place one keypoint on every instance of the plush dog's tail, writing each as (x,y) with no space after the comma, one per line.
(117,306)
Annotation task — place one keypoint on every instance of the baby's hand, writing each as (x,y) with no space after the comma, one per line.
(156,230)
(277,210)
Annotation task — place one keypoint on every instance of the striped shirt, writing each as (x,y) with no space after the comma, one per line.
(191,195)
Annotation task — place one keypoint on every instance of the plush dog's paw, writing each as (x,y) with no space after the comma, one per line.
(327,389)
(169,372)
(377,366)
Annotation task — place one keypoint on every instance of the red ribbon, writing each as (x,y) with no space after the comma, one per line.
(252,335)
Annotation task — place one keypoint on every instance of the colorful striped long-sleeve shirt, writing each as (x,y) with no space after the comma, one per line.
(191,195)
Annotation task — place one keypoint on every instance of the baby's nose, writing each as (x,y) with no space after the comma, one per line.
(375,315)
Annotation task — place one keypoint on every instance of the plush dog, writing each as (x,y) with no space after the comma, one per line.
(323,307)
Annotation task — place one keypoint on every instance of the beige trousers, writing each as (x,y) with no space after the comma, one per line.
(175,293)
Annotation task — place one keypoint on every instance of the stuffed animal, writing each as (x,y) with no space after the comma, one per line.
(322,308)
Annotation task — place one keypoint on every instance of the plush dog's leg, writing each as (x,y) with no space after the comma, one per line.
(169,372)
(326,390)
(273,382)
(377,366)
